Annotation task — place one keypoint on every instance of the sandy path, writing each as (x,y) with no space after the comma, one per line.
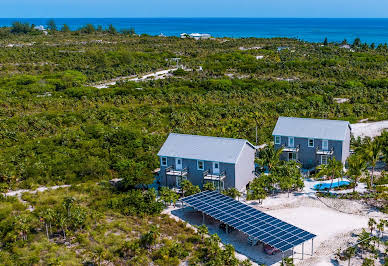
(157,75)
(19,193)
(371,129)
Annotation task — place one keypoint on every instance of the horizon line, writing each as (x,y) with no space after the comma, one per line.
(193,17)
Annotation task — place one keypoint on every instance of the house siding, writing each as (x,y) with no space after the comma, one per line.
(307,155)
(346,146)
(194,175)
(245,167)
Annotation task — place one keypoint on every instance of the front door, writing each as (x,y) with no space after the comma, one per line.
(178,163)
(216,168)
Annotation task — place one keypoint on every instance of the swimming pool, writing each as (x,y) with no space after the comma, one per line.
(324,186)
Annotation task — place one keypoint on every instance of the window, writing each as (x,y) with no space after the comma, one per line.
(311,143)
(292,156)
(163,161)
(200,165)
(277,139)
(290,141)
(324,159)
(325,144)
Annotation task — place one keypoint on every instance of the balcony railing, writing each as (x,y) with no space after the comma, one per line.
(320,151)
(214,177)
(171,171)
(290,149)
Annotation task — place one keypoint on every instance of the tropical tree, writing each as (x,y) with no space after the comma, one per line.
(332,169)
(232,192)
(257,189)
(188,188)
(371,151)
(325,42)
(356,166)
(372,224)
(290,176)
(51,25)
(150,238)
(65,28)
(270,157)
(209,186)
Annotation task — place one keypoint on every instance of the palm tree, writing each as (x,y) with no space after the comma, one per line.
(332,169)
(356,165)
(371,224)
(371,152)
(270,157)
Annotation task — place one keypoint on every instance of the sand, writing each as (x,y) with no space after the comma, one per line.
(335,222)
(371,129)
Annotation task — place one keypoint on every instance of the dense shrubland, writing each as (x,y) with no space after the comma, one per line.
(54,129)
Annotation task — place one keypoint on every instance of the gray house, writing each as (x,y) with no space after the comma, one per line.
(226,162)
(312,141)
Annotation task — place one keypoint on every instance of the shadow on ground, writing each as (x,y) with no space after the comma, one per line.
(235,238)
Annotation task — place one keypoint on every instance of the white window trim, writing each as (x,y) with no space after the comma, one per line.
(280,139)
(203,165)
(308,143)
(293,142)
(161,161)
(327,147)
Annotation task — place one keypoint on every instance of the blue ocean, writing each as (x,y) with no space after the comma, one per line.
(311,30)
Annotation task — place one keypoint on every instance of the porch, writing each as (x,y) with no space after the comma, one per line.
(218,180)
(178,174)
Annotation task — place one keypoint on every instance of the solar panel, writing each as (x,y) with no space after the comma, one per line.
(253,222)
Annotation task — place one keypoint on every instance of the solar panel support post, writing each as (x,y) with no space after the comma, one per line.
(302,250)
(203,218)
(292,254)
(227,229)
(312,246)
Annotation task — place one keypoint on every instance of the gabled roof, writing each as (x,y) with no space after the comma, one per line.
(226,150)
(311,128)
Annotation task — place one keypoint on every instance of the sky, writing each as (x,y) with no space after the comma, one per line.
(193,8)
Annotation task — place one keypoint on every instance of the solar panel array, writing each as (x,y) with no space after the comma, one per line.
(254,223)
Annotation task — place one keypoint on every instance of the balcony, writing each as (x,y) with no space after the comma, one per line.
(320,151)
(216,179)
(207,176)
(290,149)
(170,171)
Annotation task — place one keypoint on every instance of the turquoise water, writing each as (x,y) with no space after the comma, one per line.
(312,30)
(324,186)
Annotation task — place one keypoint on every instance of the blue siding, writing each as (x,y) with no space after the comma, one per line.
(195,176)
(307,155)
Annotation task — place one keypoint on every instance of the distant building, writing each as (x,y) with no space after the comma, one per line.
(184,35)
(345,46)
(41,28)
(312,141)
(196,36)
(225,162)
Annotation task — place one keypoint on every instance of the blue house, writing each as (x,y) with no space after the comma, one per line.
(312,141)
(225,162)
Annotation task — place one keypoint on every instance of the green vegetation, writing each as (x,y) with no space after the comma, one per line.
(370,246)
(57,129)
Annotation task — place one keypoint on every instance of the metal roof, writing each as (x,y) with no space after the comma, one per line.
(311,128)
(252,222)
(226,150)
